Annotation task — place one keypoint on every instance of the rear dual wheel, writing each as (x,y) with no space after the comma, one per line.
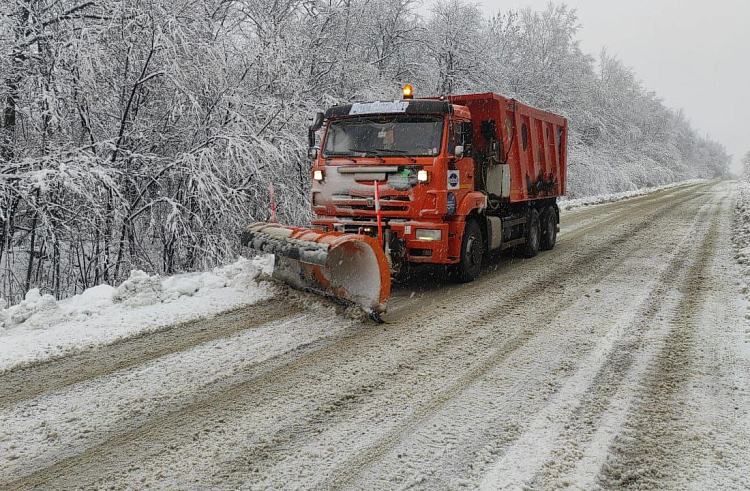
(541,231)
(549,229)
(533,234)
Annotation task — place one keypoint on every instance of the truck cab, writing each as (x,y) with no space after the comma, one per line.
(418,153)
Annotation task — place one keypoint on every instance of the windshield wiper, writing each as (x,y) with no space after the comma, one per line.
(367,153)
(398,152)
(347,156)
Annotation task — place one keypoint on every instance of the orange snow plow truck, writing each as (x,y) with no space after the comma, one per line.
(403,183)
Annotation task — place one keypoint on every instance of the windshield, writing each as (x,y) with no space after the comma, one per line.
(384,135)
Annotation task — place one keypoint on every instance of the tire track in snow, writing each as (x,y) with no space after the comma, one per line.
(556,435)
(616,213)
(450,426)
(329,349)
(608,213)
(30,381)
(329,413)
(345,473)
(129,399)
(594,458)
(654,440)
(622,376)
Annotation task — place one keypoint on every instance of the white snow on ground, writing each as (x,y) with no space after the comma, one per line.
(741,237)
(307,422)
(39,327)
(571,204)
(92,411)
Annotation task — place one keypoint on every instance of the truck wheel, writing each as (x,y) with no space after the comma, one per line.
(533,233)
(549,229)
(472,252)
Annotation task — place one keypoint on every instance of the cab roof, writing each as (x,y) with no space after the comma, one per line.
(405,106)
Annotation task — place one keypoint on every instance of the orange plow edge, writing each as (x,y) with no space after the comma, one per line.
(348,267)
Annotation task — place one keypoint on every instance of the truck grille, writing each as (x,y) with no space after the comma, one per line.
(367,203)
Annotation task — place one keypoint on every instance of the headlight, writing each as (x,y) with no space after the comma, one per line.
(318,175)
(428,235)
(422,176)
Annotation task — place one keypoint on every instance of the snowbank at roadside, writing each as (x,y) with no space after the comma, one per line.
(40,327)
(741,236)
(571,204)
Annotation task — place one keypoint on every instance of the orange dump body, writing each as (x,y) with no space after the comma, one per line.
(534,143)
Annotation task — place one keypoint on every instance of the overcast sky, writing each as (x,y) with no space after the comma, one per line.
(694,54)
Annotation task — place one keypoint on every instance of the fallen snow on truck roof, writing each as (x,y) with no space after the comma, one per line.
(40,327)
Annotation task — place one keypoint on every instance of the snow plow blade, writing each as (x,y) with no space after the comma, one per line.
(349,267)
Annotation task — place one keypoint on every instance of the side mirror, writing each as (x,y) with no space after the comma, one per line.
(316,125)
(311,137)
(312,152)
(317,122)
(459,152)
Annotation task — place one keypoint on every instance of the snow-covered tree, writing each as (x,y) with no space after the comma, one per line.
(146,133)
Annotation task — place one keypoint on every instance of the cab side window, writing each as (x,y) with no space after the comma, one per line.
(467,137)
(460,133)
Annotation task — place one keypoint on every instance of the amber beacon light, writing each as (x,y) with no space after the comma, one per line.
(408,91)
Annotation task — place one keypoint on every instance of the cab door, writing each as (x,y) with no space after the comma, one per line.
(460,166)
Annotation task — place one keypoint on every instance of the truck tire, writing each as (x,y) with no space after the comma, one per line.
(549,229)
(533,233)
(472,252)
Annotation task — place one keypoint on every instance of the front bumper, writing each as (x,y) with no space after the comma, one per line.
(443,251)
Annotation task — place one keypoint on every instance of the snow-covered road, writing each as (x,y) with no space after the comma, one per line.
(619,360)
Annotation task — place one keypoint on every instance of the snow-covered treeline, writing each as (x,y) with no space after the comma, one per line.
(143,134)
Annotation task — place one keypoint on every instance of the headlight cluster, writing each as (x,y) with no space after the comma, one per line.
(429,235)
